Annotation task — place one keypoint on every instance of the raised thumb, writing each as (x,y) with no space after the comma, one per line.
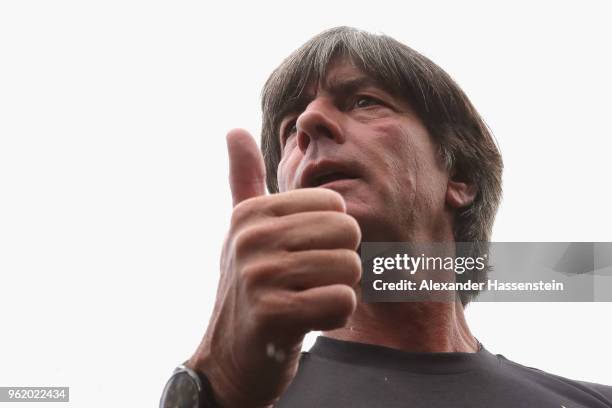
(247,172)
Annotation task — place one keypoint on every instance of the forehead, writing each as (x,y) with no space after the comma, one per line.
(340,73)
(341,77)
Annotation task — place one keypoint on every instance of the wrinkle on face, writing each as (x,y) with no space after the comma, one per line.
(402,194)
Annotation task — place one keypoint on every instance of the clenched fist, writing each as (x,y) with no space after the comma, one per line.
(289,265)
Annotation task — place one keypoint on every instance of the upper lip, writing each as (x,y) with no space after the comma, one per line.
(316,173)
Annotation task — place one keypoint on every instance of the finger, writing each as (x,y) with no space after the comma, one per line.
(324,307)
(276,206)
(247,170)
(317,230)
(308,269)
(305,199)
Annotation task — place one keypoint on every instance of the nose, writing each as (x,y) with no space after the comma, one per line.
(318,122)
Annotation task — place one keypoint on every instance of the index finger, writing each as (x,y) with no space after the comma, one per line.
(303,200)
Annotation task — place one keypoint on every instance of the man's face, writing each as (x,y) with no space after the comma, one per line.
(352,136)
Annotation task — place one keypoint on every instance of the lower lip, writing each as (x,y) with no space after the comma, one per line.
(337,183)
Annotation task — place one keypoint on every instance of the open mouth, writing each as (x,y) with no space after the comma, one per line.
(329,178)
(324,172)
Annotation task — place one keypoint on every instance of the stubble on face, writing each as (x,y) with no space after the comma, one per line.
(400,193)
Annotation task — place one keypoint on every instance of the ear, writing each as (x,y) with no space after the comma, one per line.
(460,193)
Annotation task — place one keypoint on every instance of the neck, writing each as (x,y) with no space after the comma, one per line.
(415,327)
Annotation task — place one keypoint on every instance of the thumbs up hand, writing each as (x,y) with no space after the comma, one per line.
(288,266)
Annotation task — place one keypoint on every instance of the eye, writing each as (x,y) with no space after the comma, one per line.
(364,101)
(289,130)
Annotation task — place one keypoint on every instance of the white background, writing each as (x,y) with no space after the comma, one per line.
(113,181)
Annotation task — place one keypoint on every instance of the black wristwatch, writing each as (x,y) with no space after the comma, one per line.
(187,388)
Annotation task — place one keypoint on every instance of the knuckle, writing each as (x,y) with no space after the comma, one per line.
(353,266)
(257,274)
(347,264)
(335,311)
(333,198)
(350,228)
(268,311)
(240,212)
(247,209)
(251,277)
(345,302)
(246,240)
(354,225)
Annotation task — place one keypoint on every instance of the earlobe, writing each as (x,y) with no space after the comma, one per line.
(460,194)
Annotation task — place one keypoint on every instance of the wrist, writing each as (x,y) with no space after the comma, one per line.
(187,388)
(225,393)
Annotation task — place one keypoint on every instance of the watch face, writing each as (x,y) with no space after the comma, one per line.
(181,392)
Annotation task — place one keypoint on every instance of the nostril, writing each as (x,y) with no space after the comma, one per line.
(324,131)
(314,125)
(303,141)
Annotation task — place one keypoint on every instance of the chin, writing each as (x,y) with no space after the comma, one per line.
(369,219)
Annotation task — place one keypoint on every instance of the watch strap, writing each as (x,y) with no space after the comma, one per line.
(205,392)
(207,397)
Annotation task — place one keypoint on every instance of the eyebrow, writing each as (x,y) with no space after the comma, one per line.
(341,87)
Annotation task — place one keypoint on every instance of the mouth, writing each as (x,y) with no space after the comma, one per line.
(330,178)
(324,173)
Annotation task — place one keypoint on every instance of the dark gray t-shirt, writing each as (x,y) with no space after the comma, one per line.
(345,374)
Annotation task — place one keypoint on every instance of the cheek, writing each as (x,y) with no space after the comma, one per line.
(424,168)
(407,158)
(395,154)
(287,168)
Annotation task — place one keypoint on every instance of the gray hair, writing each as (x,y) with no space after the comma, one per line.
(465,143)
